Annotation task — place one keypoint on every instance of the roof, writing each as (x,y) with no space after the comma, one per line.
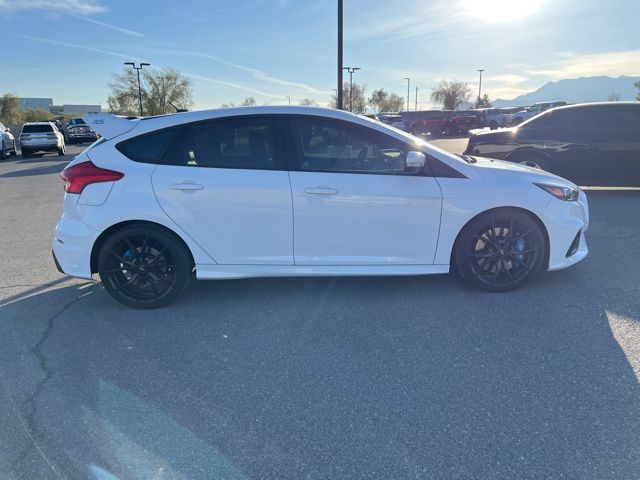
(607,105)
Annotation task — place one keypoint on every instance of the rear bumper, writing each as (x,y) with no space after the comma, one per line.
(39,146)
(72,247)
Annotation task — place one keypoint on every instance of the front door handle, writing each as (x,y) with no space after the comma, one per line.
(321,191)
(186,186)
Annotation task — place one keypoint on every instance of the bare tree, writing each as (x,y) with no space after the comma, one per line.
(248,102)
(451,94)
(383,101)
(359,103)
(613,97)
(483,102)
(637,85)
(309,102)
(160,88)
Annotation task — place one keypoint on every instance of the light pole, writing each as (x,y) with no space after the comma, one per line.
(480,84)
(289,100)
(408,90)
(416,99)
(351,70)
(340,60)
(133,65)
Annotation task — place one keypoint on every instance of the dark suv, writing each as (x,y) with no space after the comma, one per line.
(425,121)
(589,144)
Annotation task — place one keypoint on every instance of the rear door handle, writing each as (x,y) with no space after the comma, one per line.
(321,191)
(186,186)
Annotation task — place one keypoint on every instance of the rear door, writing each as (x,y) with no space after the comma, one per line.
(224,182)
(354,202)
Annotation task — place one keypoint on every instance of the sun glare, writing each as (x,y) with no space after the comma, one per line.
(500,10)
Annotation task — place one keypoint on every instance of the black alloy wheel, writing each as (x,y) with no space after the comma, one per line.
(144,266)
(500,251)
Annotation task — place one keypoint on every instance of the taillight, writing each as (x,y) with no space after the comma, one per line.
(82,174)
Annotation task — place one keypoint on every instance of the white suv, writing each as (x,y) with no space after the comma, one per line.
(41,137)
(300,191)
(7,142)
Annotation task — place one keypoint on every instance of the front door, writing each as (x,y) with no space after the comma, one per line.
(354,202)
(224,182)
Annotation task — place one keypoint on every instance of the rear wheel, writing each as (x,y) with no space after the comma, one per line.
(62,150)
(144,266)
(25,153)
(500,250)
(3,153)
(13,151)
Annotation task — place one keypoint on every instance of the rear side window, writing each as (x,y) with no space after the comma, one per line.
(245,143)
(147,148)
(37,129)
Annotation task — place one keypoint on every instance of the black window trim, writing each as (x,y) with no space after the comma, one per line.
(293,149)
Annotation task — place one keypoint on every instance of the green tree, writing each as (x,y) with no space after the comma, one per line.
(637,85)
(451,94)
(383,101)
(483,102)
(38,115)
(10,109)
(160,89)
(359,102)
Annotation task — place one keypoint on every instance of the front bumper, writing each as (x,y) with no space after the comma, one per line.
(83,137)
(565,221)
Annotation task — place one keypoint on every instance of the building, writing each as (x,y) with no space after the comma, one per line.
(79,109)
(36,103)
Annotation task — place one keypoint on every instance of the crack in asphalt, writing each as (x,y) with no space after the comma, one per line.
(31,401)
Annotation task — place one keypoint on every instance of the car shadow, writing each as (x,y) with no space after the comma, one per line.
(30,172)
(328,378)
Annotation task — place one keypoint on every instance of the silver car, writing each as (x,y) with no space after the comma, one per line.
(41,137)
(7,142)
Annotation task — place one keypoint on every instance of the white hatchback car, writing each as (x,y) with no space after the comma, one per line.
(300,191)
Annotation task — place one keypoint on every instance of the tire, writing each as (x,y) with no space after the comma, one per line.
(25,153)
(14,152)
(500,250)
(144,266)
(3,153)
(530,159)
(62,150)
(493,125)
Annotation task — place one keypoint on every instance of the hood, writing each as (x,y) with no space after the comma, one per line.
(482,135)
(490,167)
(108,125)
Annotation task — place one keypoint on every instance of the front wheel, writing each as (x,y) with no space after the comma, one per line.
(500,250)
(144,266)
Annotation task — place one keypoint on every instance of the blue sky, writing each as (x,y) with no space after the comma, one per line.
(271,49)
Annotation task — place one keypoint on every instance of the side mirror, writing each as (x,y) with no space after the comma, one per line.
(414,160)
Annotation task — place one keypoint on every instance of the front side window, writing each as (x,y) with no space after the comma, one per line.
(332,146)
(246,143)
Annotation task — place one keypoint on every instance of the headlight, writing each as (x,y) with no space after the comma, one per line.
(568,194)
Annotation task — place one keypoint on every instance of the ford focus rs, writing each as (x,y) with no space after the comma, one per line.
(299,191)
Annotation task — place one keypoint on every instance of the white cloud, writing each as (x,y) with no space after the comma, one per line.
(126,31)
(257,74)
(573,65)
(231,84)
(78,7)
(76,46)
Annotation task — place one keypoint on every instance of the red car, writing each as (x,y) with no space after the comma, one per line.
(425,121)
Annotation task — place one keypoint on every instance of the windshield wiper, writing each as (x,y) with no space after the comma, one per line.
(468,159)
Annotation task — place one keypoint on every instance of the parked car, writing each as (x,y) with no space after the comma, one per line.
(459,122)
(7,142)
(41,137)
(590,144)
(372,116)
(393,119)
(78,131)
(425,121)
(533,110)
(496,117)
(213,195)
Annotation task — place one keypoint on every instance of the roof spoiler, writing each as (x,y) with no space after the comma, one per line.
(109,126)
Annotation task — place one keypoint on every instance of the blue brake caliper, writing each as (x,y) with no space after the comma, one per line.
(519,246)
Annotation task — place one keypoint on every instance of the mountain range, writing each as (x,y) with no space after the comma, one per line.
(577,90)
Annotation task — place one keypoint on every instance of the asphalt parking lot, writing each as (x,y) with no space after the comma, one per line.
(333,378)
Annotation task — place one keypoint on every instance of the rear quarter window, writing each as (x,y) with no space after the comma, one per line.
(147,148)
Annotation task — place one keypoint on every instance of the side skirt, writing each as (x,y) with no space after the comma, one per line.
(219,272)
